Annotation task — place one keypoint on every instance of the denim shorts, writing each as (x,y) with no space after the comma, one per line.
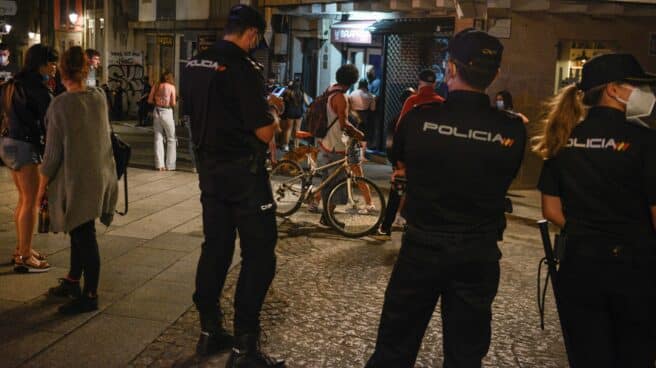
(16,153)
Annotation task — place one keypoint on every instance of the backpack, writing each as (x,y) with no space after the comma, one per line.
(317,114)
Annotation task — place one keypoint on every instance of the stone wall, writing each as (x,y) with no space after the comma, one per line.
(529,64)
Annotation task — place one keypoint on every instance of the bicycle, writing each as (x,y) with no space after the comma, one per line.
(345,209)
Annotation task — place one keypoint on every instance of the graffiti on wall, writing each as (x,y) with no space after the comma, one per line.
(130,79)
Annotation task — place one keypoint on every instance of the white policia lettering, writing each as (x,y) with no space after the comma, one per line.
(477,135)
(203,64)
(598,143)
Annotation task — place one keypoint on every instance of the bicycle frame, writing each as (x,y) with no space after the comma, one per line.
(310,173)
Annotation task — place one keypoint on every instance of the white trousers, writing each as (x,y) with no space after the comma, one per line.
(164,128)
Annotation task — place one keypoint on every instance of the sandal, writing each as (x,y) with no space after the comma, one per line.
(35,254)
(30,265)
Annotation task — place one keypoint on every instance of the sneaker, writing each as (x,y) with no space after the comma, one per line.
(367,209)
(30,265)
(211,343)
(83,304)
(66,289)
(382,234)
(399,223)
(247,353)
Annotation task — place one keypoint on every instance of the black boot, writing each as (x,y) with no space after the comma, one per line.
(83,304)
(247,354)
(214,338)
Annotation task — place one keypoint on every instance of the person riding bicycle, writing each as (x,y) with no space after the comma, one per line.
(332,147)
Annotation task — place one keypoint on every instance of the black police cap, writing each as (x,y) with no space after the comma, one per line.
(428,76)
(604,69)
(477,49)
(247,16)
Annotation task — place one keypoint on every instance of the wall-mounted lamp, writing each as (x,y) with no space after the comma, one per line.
(73,17)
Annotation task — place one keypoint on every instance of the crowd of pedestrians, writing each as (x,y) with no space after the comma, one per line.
(598,187)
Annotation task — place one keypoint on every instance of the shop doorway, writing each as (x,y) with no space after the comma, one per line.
(310,66)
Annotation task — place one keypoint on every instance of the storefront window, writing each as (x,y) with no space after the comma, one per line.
(573,54)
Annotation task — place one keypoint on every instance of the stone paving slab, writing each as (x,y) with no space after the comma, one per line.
(192,227)
(175,241)
(103,342)
(161,222)
(156,301)
(151,205)
(16,351)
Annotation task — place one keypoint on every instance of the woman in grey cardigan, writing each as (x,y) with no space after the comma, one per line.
(81,175)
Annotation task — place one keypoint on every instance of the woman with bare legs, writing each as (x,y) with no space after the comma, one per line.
(22,135)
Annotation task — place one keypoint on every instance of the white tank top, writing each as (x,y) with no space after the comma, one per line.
(333,139)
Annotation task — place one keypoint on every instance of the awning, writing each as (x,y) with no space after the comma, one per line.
(420,26)
(351,31)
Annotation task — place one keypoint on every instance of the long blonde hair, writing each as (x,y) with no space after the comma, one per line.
(564,112)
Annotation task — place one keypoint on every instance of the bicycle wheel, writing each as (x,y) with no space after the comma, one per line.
(288,186)
(348,210)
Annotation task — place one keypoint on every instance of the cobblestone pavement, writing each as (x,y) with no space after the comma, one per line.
(324,306)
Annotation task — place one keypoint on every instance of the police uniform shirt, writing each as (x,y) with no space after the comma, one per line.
(460,156)
(605,176)
(223,94)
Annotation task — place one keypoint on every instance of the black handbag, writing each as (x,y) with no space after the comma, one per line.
(122,153)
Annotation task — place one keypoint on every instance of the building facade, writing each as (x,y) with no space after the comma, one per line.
(546,44)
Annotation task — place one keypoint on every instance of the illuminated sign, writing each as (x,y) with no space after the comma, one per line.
(351,32)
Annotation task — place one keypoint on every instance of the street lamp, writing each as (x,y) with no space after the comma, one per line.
(73,17)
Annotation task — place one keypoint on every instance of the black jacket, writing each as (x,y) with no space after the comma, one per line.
(28,107)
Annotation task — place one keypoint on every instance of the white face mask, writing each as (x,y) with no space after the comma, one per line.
(4,59)
(640,103)
(500,105)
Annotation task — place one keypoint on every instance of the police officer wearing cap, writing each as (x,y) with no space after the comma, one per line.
(232,124)
(598,184)
(459,158)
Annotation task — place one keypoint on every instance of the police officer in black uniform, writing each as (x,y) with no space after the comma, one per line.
(232,123)
(599,185)
(459,158)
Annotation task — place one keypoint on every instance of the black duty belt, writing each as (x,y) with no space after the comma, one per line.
(428,237)
(608,250)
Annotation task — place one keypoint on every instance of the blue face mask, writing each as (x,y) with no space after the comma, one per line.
(45,77)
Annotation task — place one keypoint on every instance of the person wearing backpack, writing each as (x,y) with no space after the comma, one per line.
(329,129)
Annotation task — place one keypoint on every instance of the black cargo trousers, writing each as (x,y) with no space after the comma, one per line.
(462,269)
(607,300)
(235,200)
